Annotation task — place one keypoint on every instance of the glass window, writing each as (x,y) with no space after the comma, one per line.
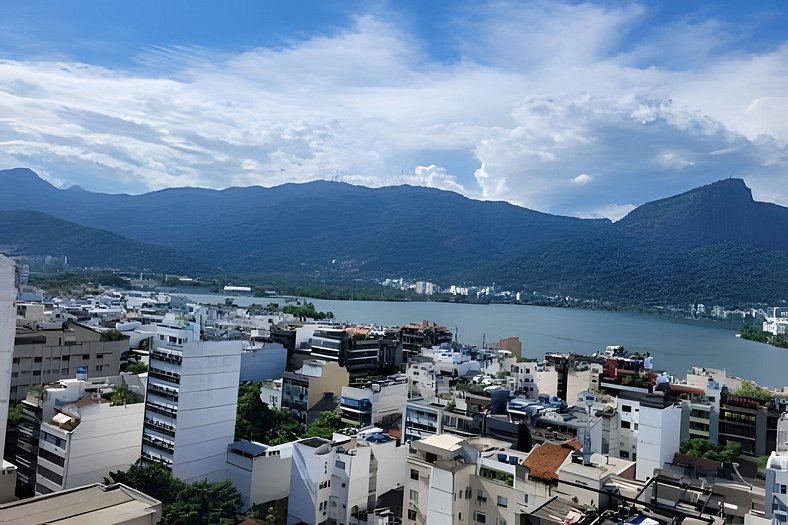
(414,496)
(502,501)
(414,474)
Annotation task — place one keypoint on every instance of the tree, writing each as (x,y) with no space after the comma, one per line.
(703,448)
(203,503)
(137,367)
(15,414)
(257,422)
(152,479)
(200,503)
(113,334)
(749,388)
(325,425)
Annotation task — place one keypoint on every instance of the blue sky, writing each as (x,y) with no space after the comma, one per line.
(584,109)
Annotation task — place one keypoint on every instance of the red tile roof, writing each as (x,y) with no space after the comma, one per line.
(545,460)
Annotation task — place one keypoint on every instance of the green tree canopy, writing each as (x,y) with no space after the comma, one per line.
(15,414)
(203,503)
(152,479)
(257,422)
(703,448)
(325,425)
(137,367)
(200,503)
(749,388)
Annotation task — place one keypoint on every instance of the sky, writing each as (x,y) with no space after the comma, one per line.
(581,109)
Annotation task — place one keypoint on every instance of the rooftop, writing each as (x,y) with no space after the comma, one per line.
(90,505)
(545,460)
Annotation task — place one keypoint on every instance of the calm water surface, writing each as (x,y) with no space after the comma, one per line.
(676,344)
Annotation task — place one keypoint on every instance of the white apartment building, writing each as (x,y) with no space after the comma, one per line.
(259,472)
(776,501)
(8,291)
(83,436)
(378,404)
(344,480)
(455,480)
(659,435)
(191,401)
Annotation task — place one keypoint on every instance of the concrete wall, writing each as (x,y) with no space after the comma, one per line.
(7,329)
(206,409)
(658,438)
(107,439)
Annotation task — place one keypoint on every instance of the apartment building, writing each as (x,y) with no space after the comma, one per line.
(46,352)
(191,400)
(425,334)
(8,291)
(261,473)
(87,429)
(346,480)
(313,388)
(378,404)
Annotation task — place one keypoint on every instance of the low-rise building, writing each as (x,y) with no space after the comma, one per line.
(95,504)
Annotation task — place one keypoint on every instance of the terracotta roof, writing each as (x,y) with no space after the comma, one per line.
(573,443)
(545,460)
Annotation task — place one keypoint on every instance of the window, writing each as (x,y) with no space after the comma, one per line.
(37,359)
(525,499)
(49,456)
(502,501)
(626,408)
(635,426)
(414,496)
(625,424)
(480,517)
(14,374)
(414,474)
(98,368)
(36,372)
(86,357)
(411,514)
(49,438)
(65,358)
(51,476)
(500,521)
(624,454)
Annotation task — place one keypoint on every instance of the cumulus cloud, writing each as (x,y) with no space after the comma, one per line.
(368,105)
(613,212)
(582,179)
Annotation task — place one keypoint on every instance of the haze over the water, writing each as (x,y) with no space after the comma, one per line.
(578,109)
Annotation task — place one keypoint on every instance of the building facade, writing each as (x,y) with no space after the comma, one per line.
(191,400)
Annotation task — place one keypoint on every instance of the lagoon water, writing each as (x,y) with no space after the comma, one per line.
(676,344)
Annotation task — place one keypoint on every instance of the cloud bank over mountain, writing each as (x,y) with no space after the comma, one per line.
(563,108)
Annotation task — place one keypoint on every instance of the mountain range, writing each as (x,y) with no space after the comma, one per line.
(711,244)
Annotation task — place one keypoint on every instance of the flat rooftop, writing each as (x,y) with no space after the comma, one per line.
(90,505)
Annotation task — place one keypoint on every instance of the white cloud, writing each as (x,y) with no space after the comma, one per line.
(542,90)
(613,212)
(582,179)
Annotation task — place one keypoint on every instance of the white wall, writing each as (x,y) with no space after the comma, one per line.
(659,436)
(7,333)
(107,439)
(206,409)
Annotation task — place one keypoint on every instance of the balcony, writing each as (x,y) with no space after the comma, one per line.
(166,356)
(164,375)
(167,392)
(153,441)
